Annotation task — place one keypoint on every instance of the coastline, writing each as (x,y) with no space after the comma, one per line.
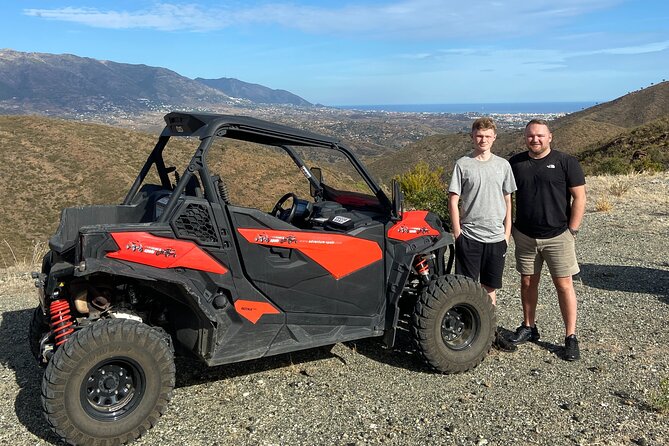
(486,108)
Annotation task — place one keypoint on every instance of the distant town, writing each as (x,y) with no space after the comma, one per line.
(367,129)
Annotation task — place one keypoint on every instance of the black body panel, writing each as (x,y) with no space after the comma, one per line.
(297,283)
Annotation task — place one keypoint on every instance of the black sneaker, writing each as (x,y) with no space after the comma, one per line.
(571,351)
(524,334)
(502,344)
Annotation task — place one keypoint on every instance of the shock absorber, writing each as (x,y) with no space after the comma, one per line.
(60,321)
(422,266)
(222,189)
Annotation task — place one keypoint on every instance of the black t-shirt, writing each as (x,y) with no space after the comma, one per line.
(543,201)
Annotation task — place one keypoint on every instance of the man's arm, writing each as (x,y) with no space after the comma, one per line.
(577,207)
(507,218)
(454,211)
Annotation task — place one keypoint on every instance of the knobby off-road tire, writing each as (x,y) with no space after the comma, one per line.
(38,327)
(109,383)
(454,324)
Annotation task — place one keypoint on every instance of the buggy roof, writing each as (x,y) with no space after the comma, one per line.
(244,128)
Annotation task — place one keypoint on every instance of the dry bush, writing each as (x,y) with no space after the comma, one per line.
(16,271)
(646,196)
(603,205)
(620,185)
(30,260)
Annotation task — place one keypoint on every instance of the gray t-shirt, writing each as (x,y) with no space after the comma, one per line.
(481,186)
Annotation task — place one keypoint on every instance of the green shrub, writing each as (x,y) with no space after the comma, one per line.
(660,397)
(647,165)
(424,188)
(613,166)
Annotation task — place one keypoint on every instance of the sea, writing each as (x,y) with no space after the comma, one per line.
(484,108)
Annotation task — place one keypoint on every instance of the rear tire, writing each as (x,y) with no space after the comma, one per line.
(109,383)
(38,328)
(454,324)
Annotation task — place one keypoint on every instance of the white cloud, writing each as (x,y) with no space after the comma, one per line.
(525,59)
(404,19)
(653,47)
(163,17)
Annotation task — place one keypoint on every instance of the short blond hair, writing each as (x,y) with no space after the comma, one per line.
(484,124)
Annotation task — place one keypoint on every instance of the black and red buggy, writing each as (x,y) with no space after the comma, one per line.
(179,267)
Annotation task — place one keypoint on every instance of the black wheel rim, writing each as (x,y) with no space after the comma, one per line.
(112,389)
(459,327)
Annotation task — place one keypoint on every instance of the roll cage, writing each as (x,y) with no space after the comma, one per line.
(206,126)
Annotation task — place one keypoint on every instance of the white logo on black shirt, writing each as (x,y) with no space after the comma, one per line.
(551,166)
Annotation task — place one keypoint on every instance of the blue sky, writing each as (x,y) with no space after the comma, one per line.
(370,51)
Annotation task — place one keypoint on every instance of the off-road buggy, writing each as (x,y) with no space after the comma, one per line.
(178,267)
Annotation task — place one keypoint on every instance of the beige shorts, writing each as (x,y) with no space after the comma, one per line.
(558,252)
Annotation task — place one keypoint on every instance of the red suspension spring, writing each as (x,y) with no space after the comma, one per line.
(61,323)
(423,267)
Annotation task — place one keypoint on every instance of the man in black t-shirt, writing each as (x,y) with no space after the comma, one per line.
(550,203)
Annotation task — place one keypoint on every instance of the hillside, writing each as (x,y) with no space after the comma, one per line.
(436,150)
(253,92)
(649,142)
(575,132)
(628,119)
(628,111)
(55,164)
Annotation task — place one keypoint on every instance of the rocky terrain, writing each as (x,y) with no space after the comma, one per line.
(359,394)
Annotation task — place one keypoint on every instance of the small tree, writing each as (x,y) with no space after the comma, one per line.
(424,188)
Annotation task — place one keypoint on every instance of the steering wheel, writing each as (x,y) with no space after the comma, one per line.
(279,211)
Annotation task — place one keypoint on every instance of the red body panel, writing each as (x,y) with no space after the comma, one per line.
(252,310)
(412,225)
(161,252)
(339,254)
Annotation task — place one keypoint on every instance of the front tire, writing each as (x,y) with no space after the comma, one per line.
(454,324)
(109,383)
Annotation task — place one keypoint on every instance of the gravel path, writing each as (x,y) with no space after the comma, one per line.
(359,393)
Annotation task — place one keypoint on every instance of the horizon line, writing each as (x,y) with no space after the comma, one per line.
(466,103)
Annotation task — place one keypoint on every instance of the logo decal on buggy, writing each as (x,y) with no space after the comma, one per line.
(413,225)
(137,246)
(162,252)
(339,254)
(252,310)
(264,238)
(407,230)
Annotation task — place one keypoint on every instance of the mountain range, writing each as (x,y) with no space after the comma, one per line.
(65,83)
(253,92)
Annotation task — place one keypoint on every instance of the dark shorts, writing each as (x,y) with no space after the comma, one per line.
(483,262)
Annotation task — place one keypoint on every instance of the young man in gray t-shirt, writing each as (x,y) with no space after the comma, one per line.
(479,202)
